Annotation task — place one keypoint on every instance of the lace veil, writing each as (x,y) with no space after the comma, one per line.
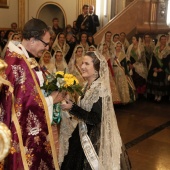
(56,45)
(50,66)
(110,140)
(71,64)
(123,48)
(139,49)
(62,65)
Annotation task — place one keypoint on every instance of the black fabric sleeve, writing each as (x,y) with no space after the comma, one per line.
(78,22)
(96,21)
(93,117)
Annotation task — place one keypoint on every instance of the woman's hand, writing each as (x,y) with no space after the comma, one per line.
(68,105)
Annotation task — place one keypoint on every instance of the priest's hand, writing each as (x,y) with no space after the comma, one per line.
(57,96)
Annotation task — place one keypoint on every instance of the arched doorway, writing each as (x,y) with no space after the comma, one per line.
(48,11)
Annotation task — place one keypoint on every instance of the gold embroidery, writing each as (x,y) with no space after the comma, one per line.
(3,66)
(37,97)
(23,88)
(33,62)
(19,74)
(2,165)
(43,166)
(33,124)
(37,140)
(15,147)
(18,107)
(12,150)
(14,54)
(29,156)
(48,147)
(2,113)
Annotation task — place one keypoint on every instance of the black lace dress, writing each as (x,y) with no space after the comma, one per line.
(75,159)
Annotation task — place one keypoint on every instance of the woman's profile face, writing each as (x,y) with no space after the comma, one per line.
(16,37)
(10,34)
(105,48)
(134,40)
(46,58)
(91,49)
(61,38)
(118,47)
(116,38)
(79,52)
(59,56)
(108,37)
(83,37)
(163,40)
(87,68)
(90,39)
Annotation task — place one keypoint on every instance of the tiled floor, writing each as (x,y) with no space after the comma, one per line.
(151,122)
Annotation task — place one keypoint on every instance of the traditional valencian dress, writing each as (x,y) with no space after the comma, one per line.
(136,57)
(148,48)
(110,44)
(114,89)
(96,142)
(157,81)
(28,119)
(74,66)
(64,48)
(123,80)
(62,65)
(50,67)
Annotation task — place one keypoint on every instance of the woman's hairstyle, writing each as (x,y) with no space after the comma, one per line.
(93,42)
(46,52)
(60,33)
(118,43)
(34,28)
(12,36)
(115,35)
(136,36)
(108,32)
(162,36)
(7,33)
(78,48)
(58,51)
(96,61)
(82,34)
(123,33)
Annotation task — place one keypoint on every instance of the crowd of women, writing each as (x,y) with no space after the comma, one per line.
(111,72)
(139,69)
(87,137)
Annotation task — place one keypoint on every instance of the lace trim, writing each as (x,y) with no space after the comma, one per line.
(91,96)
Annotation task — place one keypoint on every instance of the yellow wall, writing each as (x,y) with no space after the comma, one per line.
(9,15)
(68,6)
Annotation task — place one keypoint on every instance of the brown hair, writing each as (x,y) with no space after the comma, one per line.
(35,28)
(96,61)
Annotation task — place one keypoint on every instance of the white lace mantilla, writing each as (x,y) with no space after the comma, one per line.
(91,96)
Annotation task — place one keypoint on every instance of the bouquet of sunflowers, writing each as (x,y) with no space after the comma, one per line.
(60,81)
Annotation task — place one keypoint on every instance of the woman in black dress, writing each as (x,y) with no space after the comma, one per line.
(95,142)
